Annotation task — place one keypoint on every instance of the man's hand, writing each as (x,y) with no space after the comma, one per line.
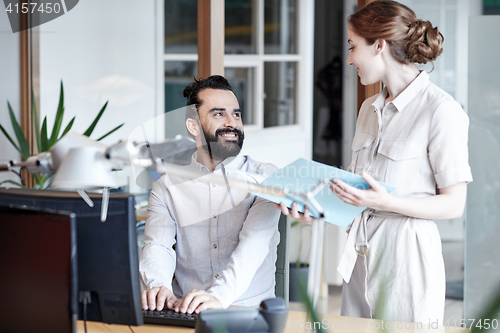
(305,217)
(197,301)
(156,298)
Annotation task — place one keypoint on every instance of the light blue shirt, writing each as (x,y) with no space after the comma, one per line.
(225,239)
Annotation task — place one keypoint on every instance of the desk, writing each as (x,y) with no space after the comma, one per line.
(296,323)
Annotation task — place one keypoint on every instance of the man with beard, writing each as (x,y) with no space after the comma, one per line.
(219,241)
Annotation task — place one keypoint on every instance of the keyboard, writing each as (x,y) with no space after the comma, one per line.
(169,317)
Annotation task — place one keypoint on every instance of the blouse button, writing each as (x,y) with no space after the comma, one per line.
(216,276)
(215,246)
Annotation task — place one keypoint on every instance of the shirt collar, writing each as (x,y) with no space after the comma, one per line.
(407,95)
(234,162)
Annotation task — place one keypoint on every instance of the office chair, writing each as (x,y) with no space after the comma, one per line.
(282,275)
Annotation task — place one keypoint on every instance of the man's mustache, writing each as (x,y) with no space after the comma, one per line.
(228,130)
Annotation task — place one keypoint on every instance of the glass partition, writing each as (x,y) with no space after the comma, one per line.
(482,261)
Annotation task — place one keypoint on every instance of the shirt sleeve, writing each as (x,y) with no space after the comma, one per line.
(448,151)
(157,264)
(259,228)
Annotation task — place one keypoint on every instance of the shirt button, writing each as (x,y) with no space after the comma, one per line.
(215,246)
(214,216)
(213,184)
(216,276)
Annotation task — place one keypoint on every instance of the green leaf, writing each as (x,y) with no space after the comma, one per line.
(9,138)
(23,144)
(96,120)
(36,178)
(38,181)
(58,121)
(47,180)
(43,136)
(113,130)
(294,224)
(11,182)
(68,127)
(36,125)
(490,312)
(310,309)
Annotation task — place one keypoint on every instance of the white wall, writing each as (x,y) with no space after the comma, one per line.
(103,51)
(9,90)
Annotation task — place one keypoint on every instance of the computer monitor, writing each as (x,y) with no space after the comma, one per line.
(38,282)
(108,267)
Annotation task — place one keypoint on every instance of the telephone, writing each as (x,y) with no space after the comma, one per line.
(270,317)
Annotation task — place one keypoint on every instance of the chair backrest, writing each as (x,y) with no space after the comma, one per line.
(281,289)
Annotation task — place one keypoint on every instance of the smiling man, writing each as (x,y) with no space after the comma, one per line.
(219,241)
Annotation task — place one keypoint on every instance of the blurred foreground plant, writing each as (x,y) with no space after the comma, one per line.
(43,140)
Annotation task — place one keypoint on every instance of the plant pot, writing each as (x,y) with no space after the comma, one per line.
(298,279)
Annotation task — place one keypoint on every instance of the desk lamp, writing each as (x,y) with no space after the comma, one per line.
(80,166)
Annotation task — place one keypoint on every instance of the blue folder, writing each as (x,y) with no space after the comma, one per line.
(303,175)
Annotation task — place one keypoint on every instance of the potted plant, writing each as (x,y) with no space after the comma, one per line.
(298,269)
(43,140)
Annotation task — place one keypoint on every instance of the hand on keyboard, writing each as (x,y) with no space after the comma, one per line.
(197,301)
(158,299)
(169,317)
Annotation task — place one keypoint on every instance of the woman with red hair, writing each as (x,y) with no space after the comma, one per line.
(413,135)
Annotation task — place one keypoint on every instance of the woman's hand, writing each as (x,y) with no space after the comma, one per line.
(449,203)
(374,197)
(305,217)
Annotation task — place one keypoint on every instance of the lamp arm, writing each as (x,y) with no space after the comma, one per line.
(176,170)
(179,171)
(6,166)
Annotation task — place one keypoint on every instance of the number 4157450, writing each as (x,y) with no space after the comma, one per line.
(33,7)
(478,323)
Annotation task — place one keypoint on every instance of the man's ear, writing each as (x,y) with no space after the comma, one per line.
(193,127)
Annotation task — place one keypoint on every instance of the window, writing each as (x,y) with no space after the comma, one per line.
(261,35)
(268,61)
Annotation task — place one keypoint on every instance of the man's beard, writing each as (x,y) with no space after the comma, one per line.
(220,150)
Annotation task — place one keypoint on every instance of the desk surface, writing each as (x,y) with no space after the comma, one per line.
(296,323)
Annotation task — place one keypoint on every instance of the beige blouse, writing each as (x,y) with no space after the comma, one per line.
(418,144)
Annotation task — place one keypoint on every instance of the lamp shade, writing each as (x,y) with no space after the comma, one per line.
(84,168)
(69,141)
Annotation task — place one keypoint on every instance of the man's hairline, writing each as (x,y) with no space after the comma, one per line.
(201,101)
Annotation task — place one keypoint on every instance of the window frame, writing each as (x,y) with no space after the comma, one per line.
(302,128)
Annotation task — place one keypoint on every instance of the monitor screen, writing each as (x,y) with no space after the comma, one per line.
(108,267)
(38,279)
